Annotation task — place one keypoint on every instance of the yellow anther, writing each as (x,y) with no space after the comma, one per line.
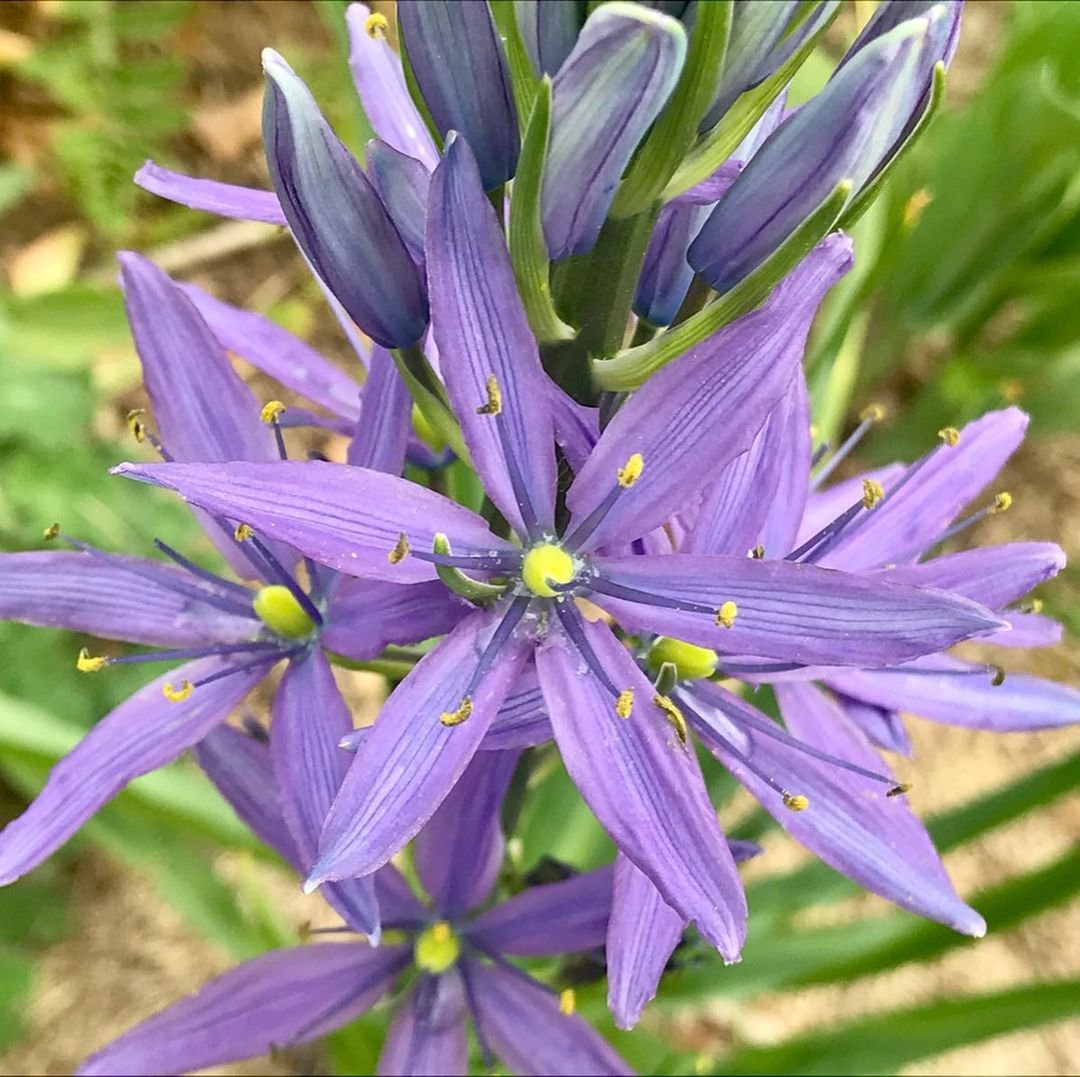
(997,675)
(1034,605)
(915,205)
(135,424)
(873,413)
(673,715)
(567,1001)
(400,550)
(796,802)
(691,662)
(758,552)
(242,533)
(493,405)
(452,718)
(813,431)
(1002,502)
(278,608)
(624,705)
(271,411)
(631,471)
(950,435)
(726,614)
(872,493)
(176,694)
(376,25)
(899,790)
(544,565)
(87,663)
(436,948)
(50,532)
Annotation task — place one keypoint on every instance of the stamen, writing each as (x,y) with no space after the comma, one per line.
(283,576)
(872,493)
(567,1001)
(177,694)
(376,25)
(673,714)
(758,552)
(400,551)
(267,660)
(211,650)
(242,533)
(493,405)
(51,532)
(819,453)
(899,790)
(998,679)
(135,425)
(1033,605)
(85,663)
(726,614)
(950,435)
(817,544)
(201,573)
(456,717)
(618,590)
(624,705)
(271,415)
(631,471)
(871,414)
(1002,503)
(568,617)
(796,802)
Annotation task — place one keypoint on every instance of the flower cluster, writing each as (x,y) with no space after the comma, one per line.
(581,259)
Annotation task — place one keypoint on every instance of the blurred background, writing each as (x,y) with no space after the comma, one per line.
(966,296)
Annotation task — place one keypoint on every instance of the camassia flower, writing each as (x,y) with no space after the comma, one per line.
(835,717)
(456,955)
(622,742)
(228,635)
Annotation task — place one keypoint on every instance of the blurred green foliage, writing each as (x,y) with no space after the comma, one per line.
(971,302)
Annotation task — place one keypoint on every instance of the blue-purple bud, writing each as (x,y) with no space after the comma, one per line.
(549,29)
(402,182)
(336,215)
(458,62)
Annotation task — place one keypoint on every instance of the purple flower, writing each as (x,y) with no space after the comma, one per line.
(227,634)
(622,742)
(459,955)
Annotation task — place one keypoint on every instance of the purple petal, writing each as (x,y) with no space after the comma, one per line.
(577,427)
(643,934)
(457,57)
(84,593)
(850,822)
(224,199)
(309,720)
(428,1035)
(349,518)
(560,918)
(403,184)
(785,611)
(522,721)
(642,783)
(610,89)
(411,760)
(336,216)
(382,434)
(143,733)
(1028,630)
(966,696)
(275,351)
(241,768)
(281,998)
(521,1021)
(366,616)
(380,84)
(885,728)
(483,334)
(702,411)
(459,853)
(993,576)
(666,274)
(954,474)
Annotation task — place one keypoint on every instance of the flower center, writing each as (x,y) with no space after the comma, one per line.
(276,606)
(690,661)
(436,948)
(544,565)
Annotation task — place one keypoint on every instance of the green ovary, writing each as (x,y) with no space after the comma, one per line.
(436,948)
(277,608)
(690,661)
(545,565)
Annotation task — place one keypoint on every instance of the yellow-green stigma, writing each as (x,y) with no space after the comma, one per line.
(276,606)
(690,661)
(436,948)
(544,565)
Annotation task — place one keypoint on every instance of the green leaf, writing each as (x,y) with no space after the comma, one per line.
(523,80)
(884,1043)
(16,980)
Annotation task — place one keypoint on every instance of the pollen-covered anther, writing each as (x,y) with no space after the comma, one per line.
(872,493)
(242,533)
(376,25)
(997,675)
(673,714)
(796,802)
(453,718)
(271,411)
(949,435)
(1034,605)
(758,552)
(567,1001)
(136,425)
(899,790)
(400,550)
(493,405)
(631,471)
(50,532)
(873,413)
(1002,503)
(88,663)
(177,693)
(726,614)
(624,704)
